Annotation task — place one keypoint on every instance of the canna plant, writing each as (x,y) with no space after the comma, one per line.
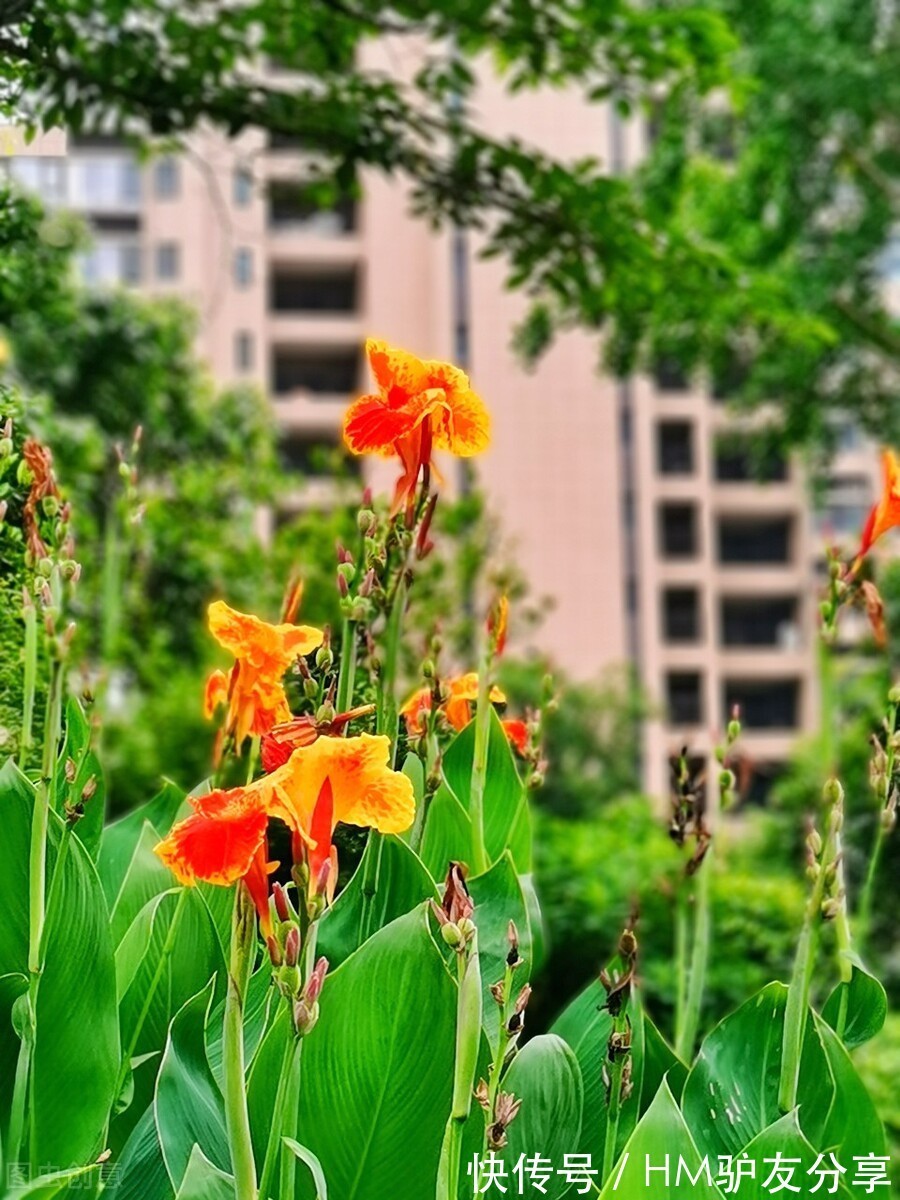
(226,996)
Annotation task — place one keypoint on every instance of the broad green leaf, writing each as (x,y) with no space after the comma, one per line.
(864,1004)
(204,1181)
(389,881)
(76,1056)
(15,816)
(121,837)
(77,750)
(498,900)
(660,1062)
(661,1140)
(853,1125)
(448,834)
(506,822)
(377,1070)
(140,1173)
(545,1076)
(132,948)
(785,1138)
(731,1093)
(173,969)
(189,1108)
(147,876)
(535,921)
(315,1167)
(414,770)
(585,1025)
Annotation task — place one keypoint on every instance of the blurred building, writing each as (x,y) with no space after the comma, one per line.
(632,505)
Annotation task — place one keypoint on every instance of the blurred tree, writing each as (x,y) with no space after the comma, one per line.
(793,181)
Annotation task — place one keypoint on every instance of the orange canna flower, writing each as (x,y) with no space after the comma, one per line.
(223,840)
(457,708)
(329,781)
(254,692)
(886,513)
(420,406)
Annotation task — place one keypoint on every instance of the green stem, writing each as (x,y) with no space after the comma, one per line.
(347,674)
(168,946)
(112,585)
(480,860)
(371,868)
(699,960)
(237,1119)
(496,1072)
(41,819)
(868,890)
(29,684)
(387,718)
(468,1041)
(801,977)
(614,1108)
(289,1066)
(681,964)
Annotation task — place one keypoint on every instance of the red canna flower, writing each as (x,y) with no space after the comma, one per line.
(254,690)
(420,406)
(277,746)
(518,735)
(885,514)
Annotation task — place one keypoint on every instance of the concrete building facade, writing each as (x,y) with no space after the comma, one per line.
(631,505)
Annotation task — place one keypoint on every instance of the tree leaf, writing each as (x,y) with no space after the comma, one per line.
(866,1006)
(546,1077)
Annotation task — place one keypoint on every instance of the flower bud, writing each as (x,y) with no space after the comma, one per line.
(365,521)
(282,904)
(324,658)
(50,505)
(346,571)
(274,951)
(6,447)
(292,947)
(343,589)
(833,792)
(452,935)
(894,695)
(726,780)
(310,689)
(325,714)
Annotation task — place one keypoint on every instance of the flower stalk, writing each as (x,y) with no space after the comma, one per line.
(237,1118)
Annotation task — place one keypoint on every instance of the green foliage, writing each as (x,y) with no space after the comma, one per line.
(878,1063)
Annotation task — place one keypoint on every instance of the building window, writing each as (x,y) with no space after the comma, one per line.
(243,267)
(168,260)
(130,263)
(681,614)
(762,703)
(760,621)
(242,187)
(327,373)
(244,351)
(166,178)
(761,541)
(326,291)
(684,698)
(678,530)
(675,448)
(738,460)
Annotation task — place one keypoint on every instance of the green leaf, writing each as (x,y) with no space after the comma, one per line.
(122,836)
(401,882)
(377,1069)
(45,1187)
(506,817)
(146,876)
(257,1006)
(498,899)
(731,1093)
(865,1006)
(853,1126)
(140,1173)
(535,921)
(132,948)
(448,834)
(785,1138)
(660,1062)
(545,1076)
(180,965)
(204,1181)
(661,1139)
(315,1167)
(76,1057)
(15,814)
(189,1107)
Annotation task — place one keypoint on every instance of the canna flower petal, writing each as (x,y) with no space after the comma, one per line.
(365,789)
(885,514)
(219,841)
(457,708)
(517,733)
(216,693)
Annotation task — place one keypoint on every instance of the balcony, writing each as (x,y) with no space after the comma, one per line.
(677,531)
(675,448)
(681,615)
(684,700)
(745,541)
(326,373)
(764,704)
(760,621)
